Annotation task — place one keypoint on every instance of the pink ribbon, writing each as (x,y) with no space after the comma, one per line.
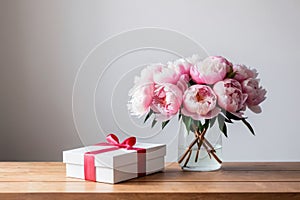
(113,140)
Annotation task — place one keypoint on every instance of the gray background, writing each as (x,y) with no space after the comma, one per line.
(42,44)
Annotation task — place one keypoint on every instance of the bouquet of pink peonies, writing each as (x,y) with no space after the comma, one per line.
(198,91)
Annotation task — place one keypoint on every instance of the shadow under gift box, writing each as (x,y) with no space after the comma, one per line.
(116,165)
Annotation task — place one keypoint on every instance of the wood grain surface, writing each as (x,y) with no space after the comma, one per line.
(46,180)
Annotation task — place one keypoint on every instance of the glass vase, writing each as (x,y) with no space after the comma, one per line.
(205,154)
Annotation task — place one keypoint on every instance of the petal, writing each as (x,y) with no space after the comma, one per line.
(255,109)
(162,118)
(195,116)
(185,112)
(213,113)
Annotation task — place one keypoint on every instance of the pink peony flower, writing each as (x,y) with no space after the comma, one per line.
(210,70)
(230,95)
(166,102)
(243,72)
(156,73)
(182,83)
(146,75)
(256,94)
(141,99)
(142,92)
(181,66)
(194,59)
(199,101)
(164,74)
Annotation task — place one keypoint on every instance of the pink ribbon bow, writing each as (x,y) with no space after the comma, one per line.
(113,140)
(128,143)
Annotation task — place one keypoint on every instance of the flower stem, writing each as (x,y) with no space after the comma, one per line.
(207,149)
(199,146)
(200,140)
(209,144)
(188,158)
(191,145)
(215,156)
(212,151)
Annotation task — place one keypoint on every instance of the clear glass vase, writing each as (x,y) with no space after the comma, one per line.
(207,157)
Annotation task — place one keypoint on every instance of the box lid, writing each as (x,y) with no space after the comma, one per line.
(114,158)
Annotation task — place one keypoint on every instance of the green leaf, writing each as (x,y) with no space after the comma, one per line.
(248,125)
(231,73)
(199,125)
(163,124)
(222,124)
(232,116)
(195,125)
(212,121)
(148,115)
(187,122)
(228,120)
(153,123)
(179,116)
(206,124)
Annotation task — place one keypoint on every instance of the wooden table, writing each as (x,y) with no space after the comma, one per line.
(46,180)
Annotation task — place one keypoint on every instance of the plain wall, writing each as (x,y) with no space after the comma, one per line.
(42,44)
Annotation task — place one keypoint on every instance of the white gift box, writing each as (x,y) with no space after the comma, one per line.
(116,165)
